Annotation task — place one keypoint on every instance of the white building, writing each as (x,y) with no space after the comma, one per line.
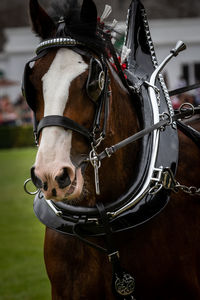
(18,49)
(21,44)
(165,34)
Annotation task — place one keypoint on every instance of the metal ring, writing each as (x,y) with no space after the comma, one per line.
(101,80)
(93,158)
(169,118)
(192,190)
(26,190)
(187,104)
(155,189)
(40,195)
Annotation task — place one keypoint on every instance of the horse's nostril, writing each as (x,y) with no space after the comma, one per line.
(64,179)
(45,186)
(54,193)
(36,180)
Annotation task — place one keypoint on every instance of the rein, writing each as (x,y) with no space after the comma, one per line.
(184,89)
(166,120)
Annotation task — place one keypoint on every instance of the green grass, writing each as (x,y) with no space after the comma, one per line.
(22,270)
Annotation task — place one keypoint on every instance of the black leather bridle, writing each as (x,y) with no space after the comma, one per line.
(62,121)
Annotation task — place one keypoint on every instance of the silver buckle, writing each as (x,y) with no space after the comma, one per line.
(96,163)
(163,178)
(113,254)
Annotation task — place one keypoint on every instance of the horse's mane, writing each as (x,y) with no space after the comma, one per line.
(75,28)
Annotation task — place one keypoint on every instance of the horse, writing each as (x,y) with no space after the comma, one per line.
(83,105)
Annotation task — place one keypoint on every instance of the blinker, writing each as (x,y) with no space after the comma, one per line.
(94,86)
(96,80)
(27,88)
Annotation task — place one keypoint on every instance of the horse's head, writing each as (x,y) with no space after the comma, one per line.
(67,81)
(62,76)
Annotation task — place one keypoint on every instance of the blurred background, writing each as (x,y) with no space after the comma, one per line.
(22,270)
(169,21)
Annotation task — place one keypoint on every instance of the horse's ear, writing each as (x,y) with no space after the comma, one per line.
(42,24)
(89,14)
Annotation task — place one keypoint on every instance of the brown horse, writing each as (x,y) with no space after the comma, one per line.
(162,254)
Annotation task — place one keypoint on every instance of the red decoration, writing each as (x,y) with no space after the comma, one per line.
(124,65)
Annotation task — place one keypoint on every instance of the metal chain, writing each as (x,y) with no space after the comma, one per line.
(164,178)
(192,190)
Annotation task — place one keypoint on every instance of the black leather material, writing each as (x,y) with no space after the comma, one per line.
(28,90)
(61,121)
(96,80)
(65,223)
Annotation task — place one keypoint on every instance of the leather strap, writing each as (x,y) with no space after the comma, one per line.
(184,89)
(103,103)
(119,275)
(178,116)
(61,121)
(109,151)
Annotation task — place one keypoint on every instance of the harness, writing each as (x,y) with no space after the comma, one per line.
(150,192)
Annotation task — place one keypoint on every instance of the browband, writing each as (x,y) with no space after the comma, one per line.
(57,42)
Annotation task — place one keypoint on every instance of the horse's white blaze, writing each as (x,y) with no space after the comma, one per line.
(66,66)
(55,144)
